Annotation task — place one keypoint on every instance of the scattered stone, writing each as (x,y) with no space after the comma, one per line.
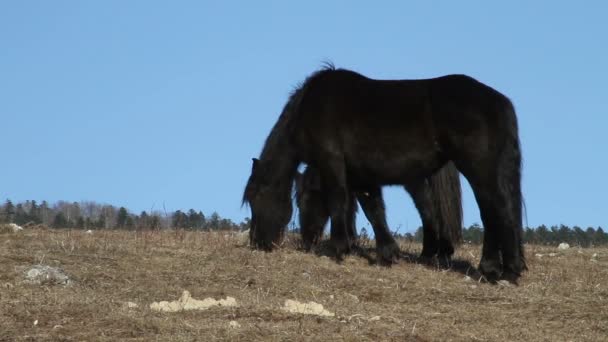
(10,228)
(538,255)
(15,227)
(234,324)
(563,246)
(504,283)
(310,308)
(46,275)
(89,232)
(552,254)
(467,278)
(130,305)
(186,302)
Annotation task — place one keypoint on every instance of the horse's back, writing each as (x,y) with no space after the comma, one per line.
(380,127)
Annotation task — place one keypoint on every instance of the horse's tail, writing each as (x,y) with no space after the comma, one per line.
(447,199)
(509,175)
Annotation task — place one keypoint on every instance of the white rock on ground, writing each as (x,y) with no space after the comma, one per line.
(563,246)
(130,305)
(234,324)
(310,308)
(10,228)
(186,302)
(15,227)
(41,274)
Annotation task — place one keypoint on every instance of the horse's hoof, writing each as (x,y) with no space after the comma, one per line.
(510,277)
(491,270)
(341,248)
(307,246)
(444,261)
(388,254)
(512,271)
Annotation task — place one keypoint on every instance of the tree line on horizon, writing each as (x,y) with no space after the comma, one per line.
(541,235)
(92,215)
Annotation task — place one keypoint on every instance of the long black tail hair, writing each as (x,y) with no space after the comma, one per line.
(446,196)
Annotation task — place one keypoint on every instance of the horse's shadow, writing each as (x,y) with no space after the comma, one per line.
(456,265)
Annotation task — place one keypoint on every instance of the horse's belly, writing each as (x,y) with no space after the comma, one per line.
(392,168)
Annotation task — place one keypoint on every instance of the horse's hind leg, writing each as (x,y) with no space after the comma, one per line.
(502,253)
(373,207)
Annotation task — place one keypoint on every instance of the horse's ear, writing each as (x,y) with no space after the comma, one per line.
(254,164)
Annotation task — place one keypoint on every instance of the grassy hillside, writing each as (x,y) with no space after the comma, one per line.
(562,297)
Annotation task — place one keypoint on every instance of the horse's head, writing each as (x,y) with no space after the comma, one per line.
(270,205)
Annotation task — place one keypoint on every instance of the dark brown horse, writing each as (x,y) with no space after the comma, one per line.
(362,133)
(438,200)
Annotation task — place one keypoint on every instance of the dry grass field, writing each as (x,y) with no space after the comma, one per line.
(563,296)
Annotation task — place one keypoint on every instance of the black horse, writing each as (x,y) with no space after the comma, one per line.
(362,133)
(438,200)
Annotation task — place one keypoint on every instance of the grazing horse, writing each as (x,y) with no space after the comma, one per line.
(362,133)
(438,200)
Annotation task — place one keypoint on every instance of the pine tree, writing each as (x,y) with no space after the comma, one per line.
(130,223)
(144,220)
(60,221)
(530,235)
(155,222)
(80,223)
(8,212)
(45,213)
(214,221)
(121,220)
(34,214)
(20,215)
(600,237)
(542,234)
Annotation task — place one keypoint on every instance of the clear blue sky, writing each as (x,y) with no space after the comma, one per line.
(140,103)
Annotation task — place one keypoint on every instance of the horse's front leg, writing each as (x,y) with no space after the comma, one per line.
(334,182)
(373,207)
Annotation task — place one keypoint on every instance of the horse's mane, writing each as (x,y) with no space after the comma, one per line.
(290,109)
(282,130)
